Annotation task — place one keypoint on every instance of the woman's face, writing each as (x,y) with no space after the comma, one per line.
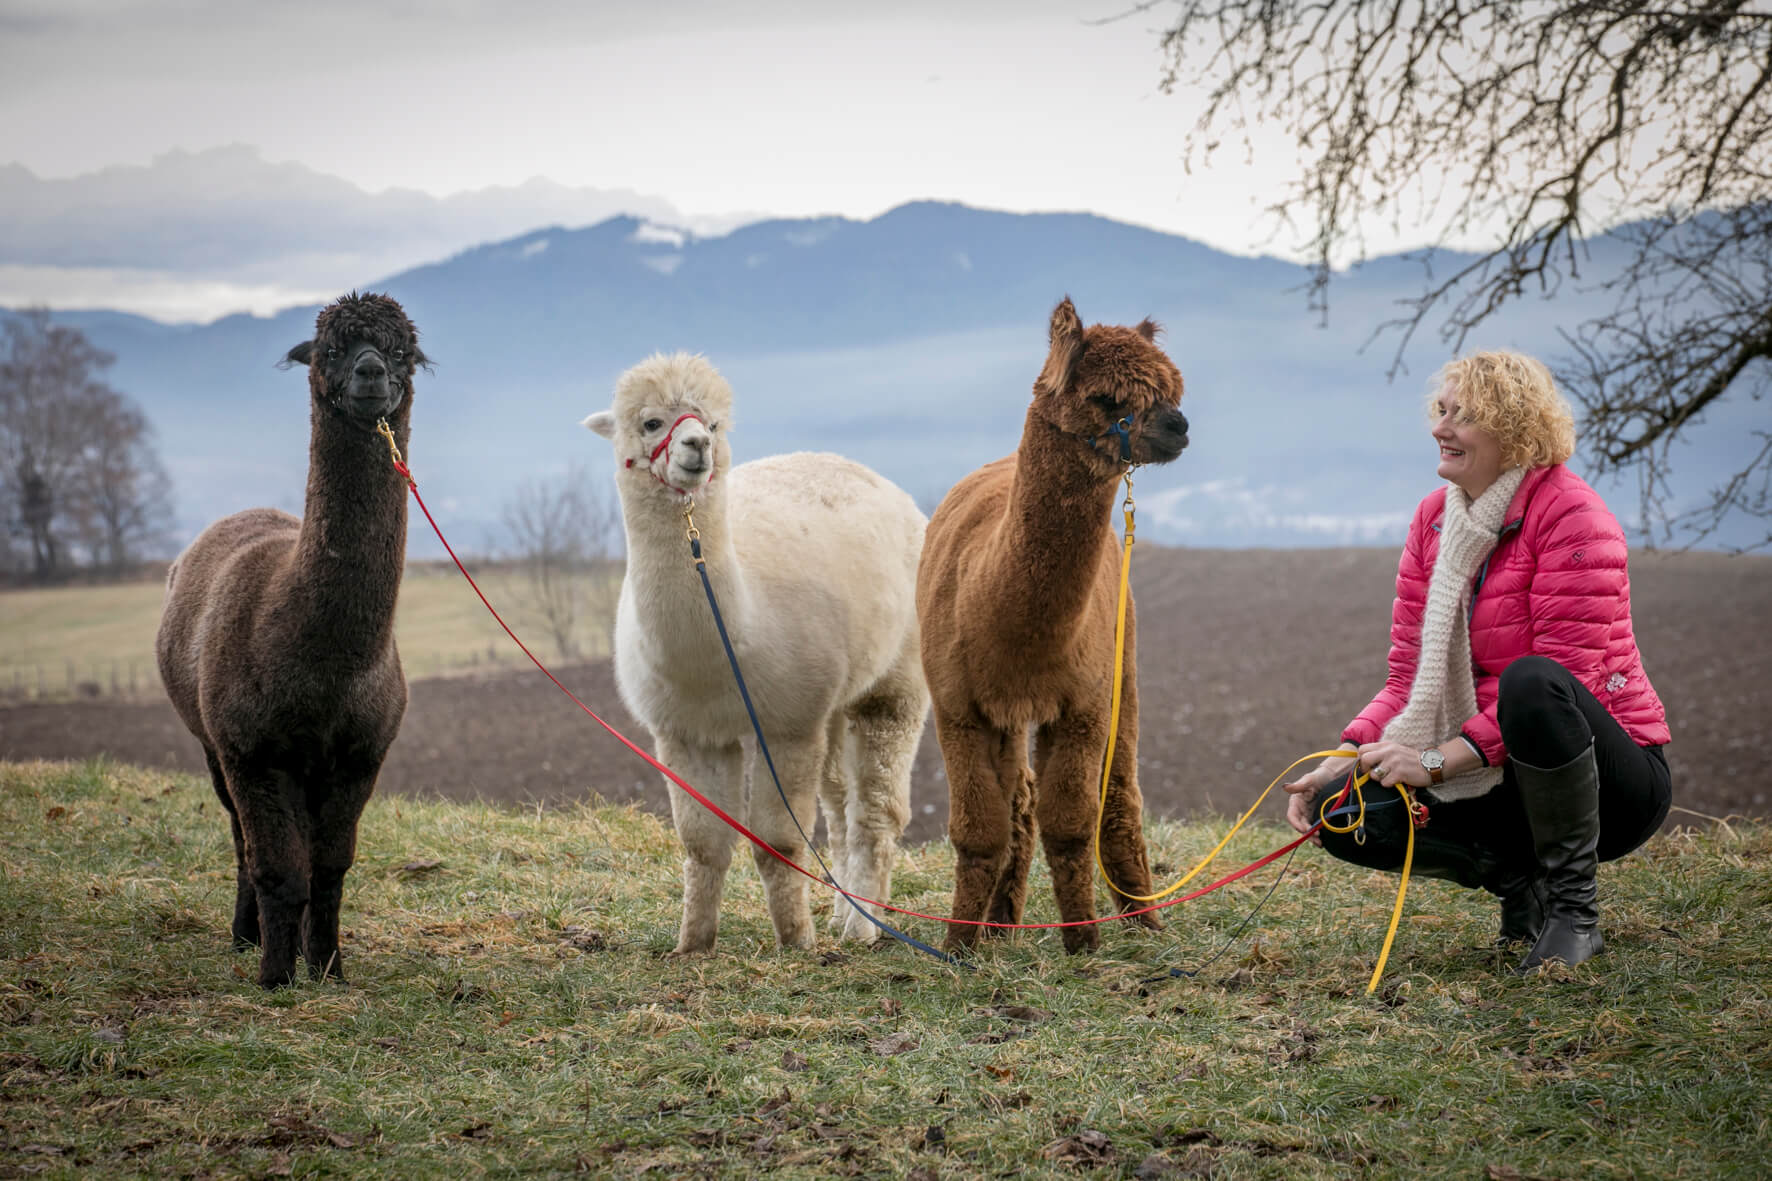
(1469,455)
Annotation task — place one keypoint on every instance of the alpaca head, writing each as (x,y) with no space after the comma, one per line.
(668,424)
(361,360)
(1097,379)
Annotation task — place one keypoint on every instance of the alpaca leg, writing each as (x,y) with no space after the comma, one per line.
(245,927)
(888,725)
(1066,805)
(332,851)
(1122,823)
(718,773)
(984,768)
(1009,900)
(799,764)
(833,796)
(269,804)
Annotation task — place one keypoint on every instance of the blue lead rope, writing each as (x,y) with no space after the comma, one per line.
(701,568)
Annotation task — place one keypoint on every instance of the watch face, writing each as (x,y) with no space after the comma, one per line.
(1433,760)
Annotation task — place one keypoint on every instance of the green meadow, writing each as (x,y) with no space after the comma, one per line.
(512,1010)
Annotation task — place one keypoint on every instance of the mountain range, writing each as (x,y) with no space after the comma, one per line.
(909,341)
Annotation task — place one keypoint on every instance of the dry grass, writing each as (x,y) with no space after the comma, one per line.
(91,641)
(513,1011)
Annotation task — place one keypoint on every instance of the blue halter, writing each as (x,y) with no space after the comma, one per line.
(1123,428)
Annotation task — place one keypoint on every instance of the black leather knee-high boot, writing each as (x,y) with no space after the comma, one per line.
(1563,806)
(1520,886)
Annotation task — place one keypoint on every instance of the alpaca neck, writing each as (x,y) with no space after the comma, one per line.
(1049,544)
(662,576)
(345,577)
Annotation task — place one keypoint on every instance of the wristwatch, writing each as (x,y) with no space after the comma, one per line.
(1435,762)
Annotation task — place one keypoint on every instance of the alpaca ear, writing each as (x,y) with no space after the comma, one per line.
(301,354)
(1149,329)
(1066,345)
(419,360)
(603,422)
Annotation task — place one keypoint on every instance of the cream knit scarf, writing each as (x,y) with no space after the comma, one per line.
(1444,695)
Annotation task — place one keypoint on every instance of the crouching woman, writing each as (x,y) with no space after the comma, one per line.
(1516,706)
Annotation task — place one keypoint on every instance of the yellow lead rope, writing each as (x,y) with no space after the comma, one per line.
(1107,766)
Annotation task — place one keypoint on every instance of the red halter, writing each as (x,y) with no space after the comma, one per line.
(665,443)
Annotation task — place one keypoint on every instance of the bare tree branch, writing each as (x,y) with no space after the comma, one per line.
(78,469)
(562,537)
(1537,126)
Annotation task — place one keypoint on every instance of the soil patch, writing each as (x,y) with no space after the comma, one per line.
(1246,659)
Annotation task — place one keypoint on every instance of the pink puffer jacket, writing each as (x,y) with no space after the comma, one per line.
(1556,585)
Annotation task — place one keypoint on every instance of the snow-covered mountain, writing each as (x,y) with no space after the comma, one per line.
(909,341)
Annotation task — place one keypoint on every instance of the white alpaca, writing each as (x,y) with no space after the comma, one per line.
(814,560)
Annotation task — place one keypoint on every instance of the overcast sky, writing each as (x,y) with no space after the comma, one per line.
(769,107)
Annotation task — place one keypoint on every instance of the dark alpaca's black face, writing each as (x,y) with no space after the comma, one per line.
(366,382)
(361,376)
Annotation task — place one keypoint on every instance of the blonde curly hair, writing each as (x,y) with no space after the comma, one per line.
(1514,398)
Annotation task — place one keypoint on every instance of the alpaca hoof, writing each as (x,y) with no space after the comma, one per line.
(334,971)
(858,928)
(961,941)
(1078,939)
(800,938)
(1149,922)
(271,979)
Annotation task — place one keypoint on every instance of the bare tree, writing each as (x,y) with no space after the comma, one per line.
(121,495)
(77,463)
(1537,126)
(562,536)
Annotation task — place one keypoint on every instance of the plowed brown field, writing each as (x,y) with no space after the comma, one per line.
(1246,659)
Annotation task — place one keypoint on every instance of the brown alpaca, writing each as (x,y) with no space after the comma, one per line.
(1016,596)
(276,643)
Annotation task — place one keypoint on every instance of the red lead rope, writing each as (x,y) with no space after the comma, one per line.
(758,841)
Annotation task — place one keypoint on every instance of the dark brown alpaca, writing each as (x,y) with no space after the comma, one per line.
(1016,596)
(276,643)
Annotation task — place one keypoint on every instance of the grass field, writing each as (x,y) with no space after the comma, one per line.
(512,1011)
(91,640)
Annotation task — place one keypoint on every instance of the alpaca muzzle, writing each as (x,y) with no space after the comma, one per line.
(685,458)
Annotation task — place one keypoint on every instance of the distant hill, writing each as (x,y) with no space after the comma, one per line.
(909,342)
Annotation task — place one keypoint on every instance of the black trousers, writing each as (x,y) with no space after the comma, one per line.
(1547,719)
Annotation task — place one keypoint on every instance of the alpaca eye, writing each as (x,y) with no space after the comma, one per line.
(399,354)
(652,424)
(332,354)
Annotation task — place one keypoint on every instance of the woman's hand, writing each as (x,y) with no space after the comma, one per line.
(1306,786)
(1391,763)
